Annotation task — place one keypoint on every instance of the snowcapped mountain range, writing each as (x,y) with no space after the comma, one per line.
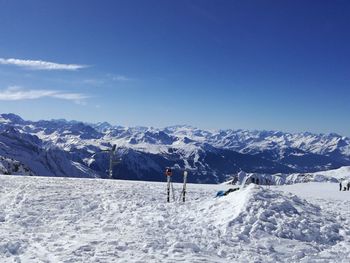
(72,148)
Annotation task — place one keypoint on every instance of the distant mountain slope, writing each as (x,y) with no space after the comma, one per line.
(29,150)
(12,167)
(72,148)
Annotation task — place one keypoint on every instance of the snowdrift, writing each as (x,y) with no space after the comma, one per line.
(257,212)
(259,224)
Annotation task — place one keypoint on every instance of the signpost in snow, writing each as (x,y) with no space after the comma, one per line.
(112,161)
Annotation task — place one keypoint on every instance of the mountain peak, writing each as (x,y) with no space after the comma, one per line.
(10,117)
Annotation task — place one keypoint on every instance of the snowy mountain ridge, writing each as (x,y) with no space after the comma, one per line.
(211,156)
(330,176)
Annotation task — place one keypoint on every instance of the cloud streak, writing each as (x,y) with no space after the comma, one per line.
(121,78)
(118,77)
(15,93)
(40,65)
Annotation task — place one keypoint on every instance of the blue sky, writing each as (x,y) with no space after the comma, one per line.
(281,65)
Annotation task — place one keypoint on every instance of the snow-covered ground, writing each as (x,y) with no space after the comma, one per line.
(45,219)
(335,204)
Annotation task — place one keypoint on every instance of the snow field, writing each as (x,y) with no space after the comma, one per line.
(91,220)
(335,204)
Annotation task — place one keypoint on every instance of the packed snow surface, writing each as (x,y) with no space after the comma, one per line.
(93,220)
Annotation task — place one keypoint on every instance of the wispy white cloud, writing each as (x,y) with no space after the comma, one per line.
(121,78)
(15,93)
(107,80)
(94,82)
(118,77)
(40,65)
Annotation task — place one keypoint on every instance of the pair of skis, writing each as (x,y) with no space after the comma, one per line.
(168,174)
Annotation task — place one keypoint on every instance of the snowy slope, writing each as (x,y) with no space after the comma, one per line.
(341,173)
(14,167)
(89,220)
(42,160)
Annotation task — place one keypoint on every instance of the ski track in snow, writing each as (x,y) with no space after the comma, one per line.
(91,220)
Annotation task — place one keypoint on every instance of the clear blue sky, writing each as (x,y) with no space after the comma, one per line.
(282,65)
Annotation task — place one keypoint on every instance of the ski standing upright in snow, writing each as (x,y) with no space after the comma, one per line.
(168,174)
(184,187)
(173,191)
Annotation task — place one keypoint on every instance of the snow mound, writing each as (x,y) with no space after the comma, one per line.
(257,212)
(341,173)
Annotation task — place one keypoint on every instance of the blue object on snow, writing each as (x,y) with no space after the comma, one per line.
(220,193)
